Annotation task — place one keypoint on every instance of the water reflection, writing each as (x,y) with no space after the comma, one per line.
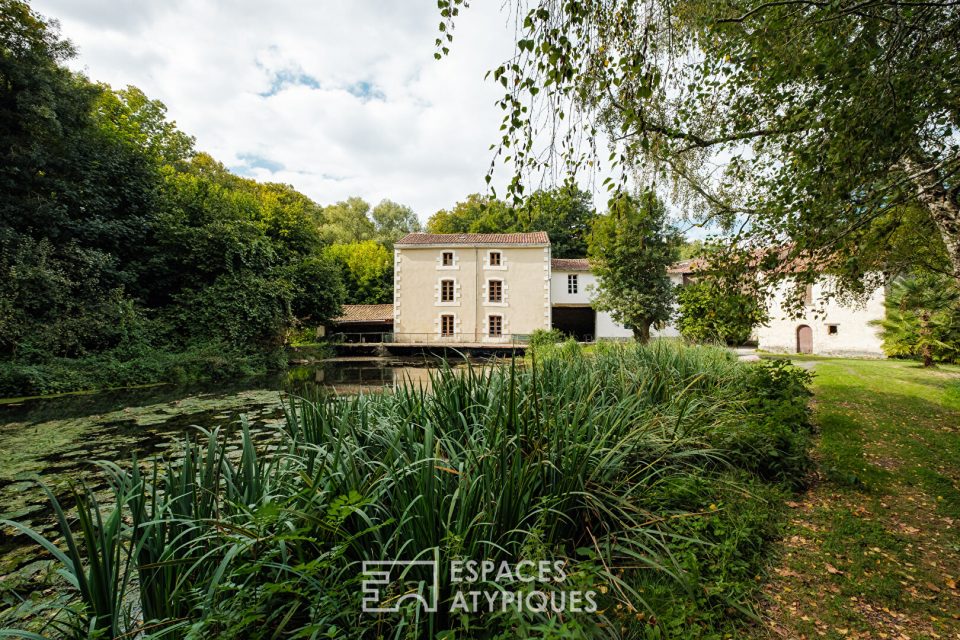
(56,439)
(355,375)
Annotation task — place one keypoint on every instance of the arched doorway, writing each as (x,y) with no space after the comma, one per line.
(804,339)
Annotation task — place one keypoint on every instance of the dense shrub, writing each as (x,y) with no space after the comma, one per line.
(711,313)
(120,368)
(618,463)
(774,440)
(541,337)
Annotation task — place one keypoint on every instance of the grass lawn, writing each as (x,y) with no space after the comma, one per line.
(872,550)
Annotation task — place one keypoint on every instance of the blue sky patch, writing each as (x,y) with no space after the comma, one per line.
(289,78)
(253,161)
(365,91)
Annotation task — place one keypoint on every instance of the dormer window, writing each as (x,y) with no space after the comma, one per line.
(494,258)
(447,259)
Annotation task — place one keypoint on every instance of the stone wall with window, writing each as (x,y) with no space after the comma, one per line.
(840,328)
(470,293)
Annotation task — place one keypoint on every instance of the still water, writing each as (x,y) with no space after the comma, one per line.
(56,439)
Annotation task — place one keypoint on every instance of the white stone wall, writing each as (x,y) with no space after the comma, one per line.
(606,327)
(854,337)
(670,330)
(586,283)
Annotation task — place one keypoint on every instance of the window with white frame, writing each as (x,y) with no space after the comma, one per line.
(495,326)
(495,291)
(447,290)
(494,258)
(573,283)
(446,325)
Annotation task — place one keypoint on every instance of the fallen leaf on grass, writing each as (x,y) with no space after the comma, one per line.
(833,570)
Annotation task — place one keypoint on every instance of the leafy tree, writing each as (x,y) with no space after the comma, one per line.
(130,116)
(217,232)
(476,214)
(347,221)
(241,310)
(712,311)
(773,92)
(77,199)
(288,217)
(565,213)
(118,242)
(691,249)
(367,269)
(393,221)
(318,290)
(630,249)
(923,319)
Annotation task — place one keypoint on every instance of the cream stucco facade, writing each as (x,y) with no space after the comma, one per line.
(499,288)
(470,292)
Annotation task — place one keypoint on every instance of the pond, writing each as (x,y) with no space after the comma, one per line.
(56,439)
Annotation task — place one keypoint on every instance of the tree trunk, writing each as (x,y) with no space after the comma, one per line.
(942,204)
(926,352)
(641,333)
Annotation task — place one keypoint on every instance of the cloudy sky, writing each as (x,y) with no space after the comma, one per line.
(336,97)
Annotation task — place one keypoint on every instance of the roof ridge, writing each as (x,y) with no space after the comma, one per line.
(518,237)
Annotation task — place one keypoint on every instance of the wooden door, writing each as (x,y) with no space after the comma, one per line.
(804,339)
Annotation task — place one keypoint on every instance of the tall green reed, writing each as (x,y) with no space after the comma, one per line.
(558,458)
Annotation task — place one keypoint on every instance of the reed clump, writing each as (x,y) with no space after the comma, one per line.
(652,473)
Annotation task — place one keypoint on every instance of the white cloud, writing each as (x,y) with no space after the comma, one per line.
(337,98)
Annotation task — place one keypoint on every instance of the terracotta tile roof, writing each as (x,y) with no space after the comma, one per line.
(686,266)
(366,313)
(583,264)
(454,239)
(570,264)
(770,260)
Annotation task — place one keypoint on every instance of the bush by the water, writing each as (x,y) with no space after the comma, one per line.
(213,361)
(652,472)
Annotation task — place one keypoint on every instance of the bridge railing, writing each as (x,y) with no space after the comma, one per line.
(374,337)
